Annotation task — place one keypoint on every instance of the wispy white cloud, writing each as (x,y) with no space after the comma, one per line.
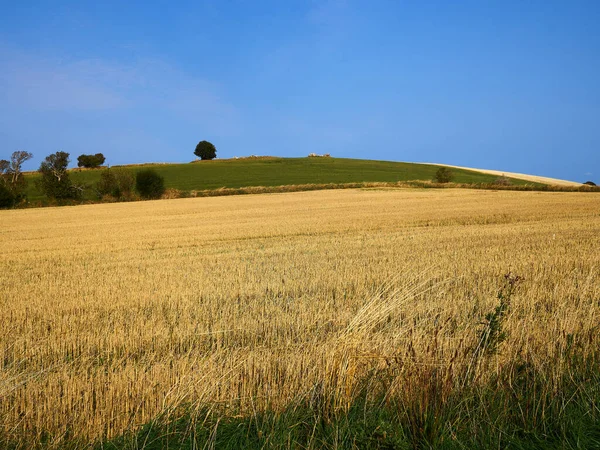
(52,84)
(133,111)
(195,99)
(46,85)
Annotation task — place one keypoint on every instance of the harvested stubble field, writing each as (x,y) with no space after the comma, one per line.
(114,316)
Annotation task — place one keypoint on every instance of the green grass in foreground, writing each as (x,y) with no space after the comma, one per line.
(523,405)
(518,409)
(208,175)
(484,420)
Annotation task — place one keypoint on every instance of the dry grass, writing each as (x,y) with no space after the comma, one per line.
(113,314)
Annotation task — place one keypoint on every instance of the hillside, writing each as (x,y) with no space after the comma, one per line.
(520,176)
(272,171)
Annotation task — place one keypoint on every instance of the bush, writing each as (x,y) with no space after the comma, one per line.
(149,184)
(90,161)
(7,198)
(205,150)
(54,180)
(117,183)
(443,175)
(590,183)
(502,181)
(107,185)
(125,181)
(12,179)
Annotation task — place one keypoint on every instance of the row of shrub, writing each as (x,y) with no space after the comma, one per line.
(12,180)
(57,186)
(117,184)
(120,184)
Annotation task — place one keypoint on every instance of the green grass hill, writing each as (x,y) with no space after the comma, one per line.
(273,171)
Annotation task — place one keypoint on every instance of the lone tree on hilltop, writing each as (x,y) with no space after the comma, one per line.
(205,150)
(90,161)
(55,181)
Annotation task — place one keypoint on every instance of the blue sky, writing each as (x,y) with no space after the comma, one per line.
(507,85)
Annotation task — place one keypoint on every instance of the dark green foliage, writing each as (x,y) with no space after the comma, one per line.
(493,334)
(125,182)
(590,183)
(90,161)
(107,185)
(7,198)
(54,181)
(205,150)
(502,414)
(117,183)
(149,184)
(443,175)
(299,426)
(12,179)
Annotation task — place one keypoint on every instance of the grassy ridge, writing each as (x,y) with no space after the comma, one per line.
(207,175)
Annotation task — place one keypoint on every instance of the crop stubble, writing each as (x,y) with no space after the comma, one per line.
(112,314)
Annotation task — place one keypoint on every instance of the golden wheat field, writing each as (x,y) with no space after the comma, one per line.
(113,314)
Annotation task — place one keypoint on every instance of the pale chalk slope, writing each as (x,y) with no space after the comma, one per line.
(521,176)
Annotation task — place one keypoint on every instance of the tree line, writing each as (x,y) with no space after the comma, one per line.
(56,184)
(12,180)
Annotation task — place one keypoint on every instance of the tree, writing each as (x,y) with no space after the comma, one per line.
(205,150)
(443,175)
(90,161)
(16,161)
(11,175)
(149,184)
(590,183)
(7,199)
(4,165)
(117,183)
(11,170)
(55,181)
